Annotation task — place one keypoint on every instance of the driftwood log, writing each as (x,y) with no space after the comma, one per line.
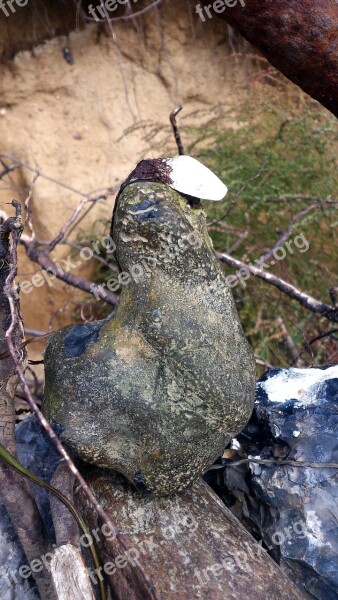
(191,546)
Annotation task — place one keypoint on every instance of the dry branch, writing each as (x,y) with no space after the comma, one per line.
(176,132)
(307,346)
(125,17)
(315,306)
(39,252)
(42,258)
(242,189)
(14,323)
(66,527)
(284,236)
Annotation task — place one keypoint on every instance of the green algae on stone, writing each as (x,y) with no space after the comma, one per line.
(159,388)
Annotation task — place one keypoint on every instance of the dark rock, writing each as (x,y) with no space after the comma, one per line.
(38,454)
(11,559)
(293,509)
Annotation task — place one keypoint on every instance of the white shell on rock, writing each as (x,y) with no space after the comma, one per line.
(191,177)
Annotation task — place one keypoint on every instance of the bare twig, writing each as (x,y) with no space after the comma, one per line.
(237,243)
(68,225)
(278,463)
(4,355)
(35,332)
(174,125)
(7,169)
(305,300)
(307,346)
(263,363)
(19,163)
(288,231)
(305,198)
(85,213)
(289,343)
(28,219)
(106,263)
(41,258)
(15,493)
(73,220)
(88,196)
(127,17)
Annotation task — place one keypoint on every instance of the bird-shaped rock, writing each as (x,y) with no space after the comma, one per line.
(159,388)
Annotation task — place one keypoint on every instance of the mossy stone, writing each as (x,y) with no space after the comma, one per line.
(159,388)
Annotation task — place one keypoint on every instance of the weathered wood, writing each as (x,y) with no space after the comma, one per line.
(70,575)
(191,546)
(66,527)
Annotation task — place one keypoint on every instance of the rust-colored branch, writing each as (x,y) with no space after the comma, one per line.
(298,37)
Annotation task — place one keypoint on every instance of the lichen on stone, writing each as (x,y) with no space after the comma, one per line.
(161,387)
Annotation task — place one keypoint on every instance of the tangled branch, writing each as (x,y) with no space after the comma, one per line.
(15,354)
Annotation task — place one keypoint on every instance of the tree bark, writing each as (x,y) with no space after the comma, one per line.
(298,37)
